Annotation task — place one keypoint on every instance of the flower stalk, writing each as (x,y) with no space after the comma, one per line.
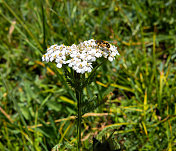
(79,118)
(79,92)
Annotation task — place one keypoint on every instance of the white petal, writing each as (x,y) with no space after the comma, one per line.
(110,59)
(59,65)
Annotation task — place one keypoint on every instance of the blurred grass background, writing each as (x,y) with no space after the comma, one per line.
(36,107)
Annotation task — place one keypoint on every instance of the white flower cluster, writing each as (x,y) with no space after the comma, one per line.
(79,57)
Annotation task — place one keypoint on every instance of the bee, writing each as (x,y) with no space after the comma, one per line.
(102,43)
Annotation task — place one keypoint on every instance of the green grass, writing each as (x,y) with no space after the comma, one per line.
(36,103)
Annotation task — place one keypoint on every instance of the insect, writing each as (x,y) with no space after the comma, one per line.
(102,43)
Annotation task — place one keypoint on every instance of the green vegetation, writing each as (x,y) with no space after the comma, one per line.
(139,88)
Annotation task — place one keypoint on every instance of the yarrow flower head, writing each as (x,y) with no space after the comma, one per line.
(80,57)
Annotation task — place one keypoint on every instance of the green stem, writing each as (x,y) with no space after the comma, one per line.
(79,100)
(79,120)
